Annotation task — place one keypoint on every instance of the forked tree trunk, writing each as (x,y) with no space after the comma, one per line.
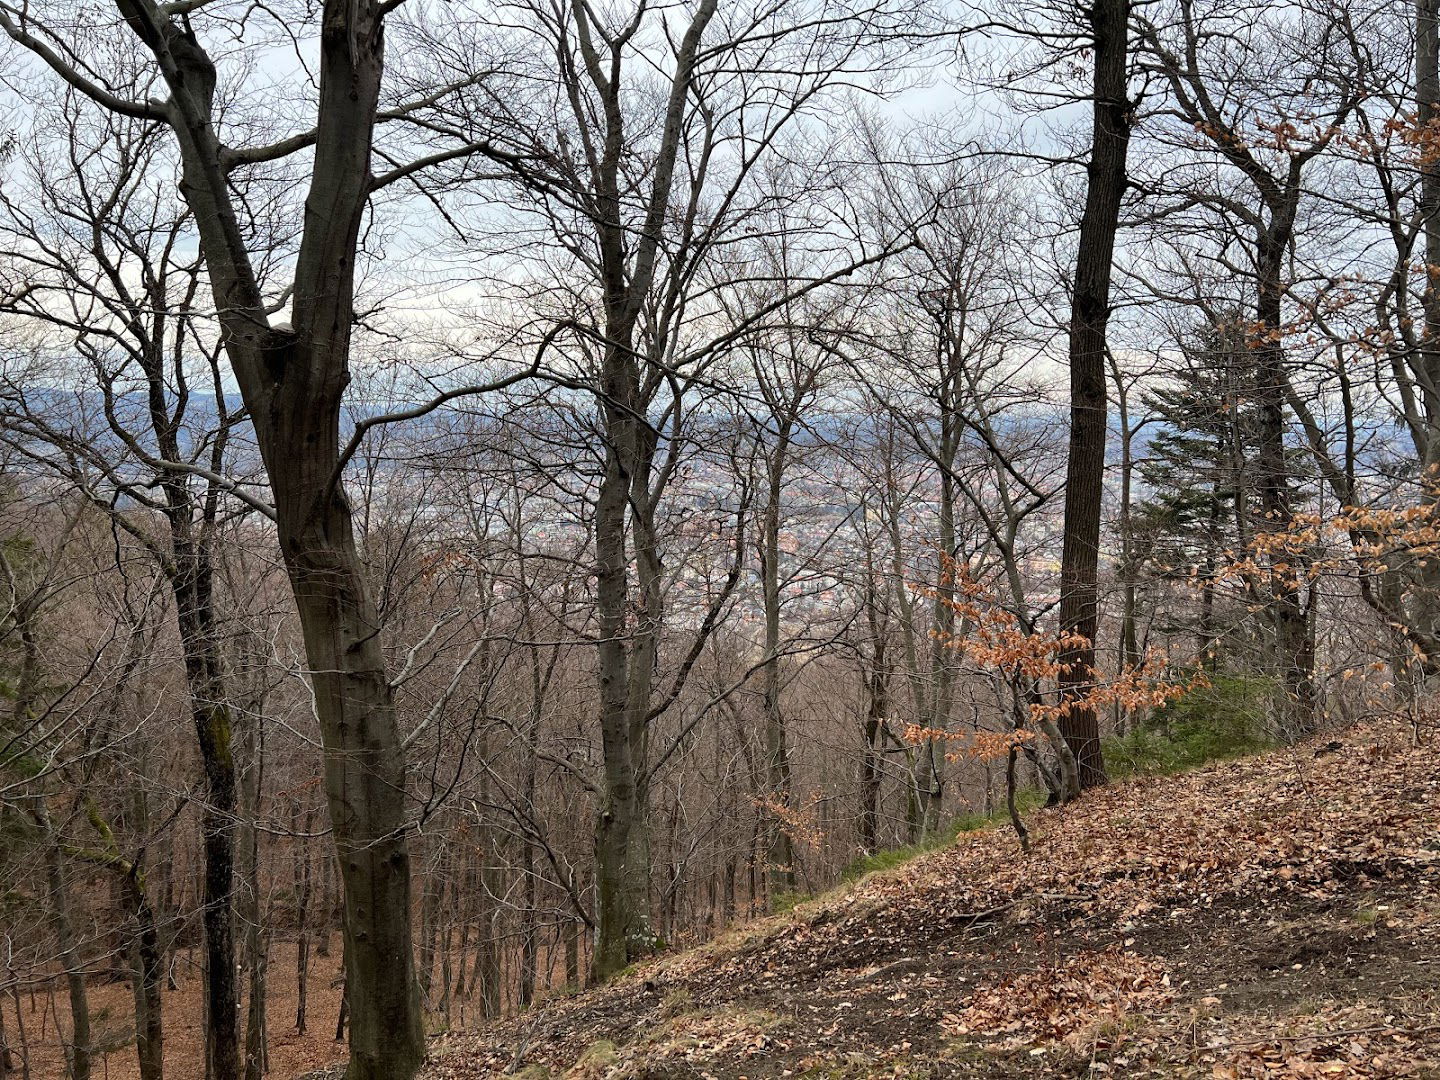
(364,762)
(624,521)
(293,382)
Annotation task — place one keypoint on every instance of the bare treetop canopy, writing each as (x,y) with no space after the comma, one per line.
(527,485)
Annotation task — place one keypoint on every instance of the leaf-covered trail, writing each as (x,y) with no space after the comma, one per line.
(1266,917)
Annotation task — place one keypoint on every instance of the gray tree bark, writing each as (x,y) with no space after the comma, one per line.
(293,382)
(625,513)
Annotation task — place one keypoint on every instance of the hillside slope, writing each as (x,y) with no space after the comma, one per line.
(1272,916)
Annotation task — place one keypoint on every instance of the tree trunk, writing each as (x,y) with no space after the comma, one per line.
(364,763)
(777,750)
(1090,314)
(257,1057)
(212,722)
(624,509)
(1294,638)
(20,1033)
(1427,112)
(487,950)
(1426,598)
(529,951)
(293,382)
(530,928)
(484,884)
(303,893)
(626,663)
(1127,568)
(148,971)
(79,1053)
(256,1060)
(930,783)
(7,1056)
(572,954)
(342,1017)
(877,683)
(622,922)
(1209,646)
(431,898)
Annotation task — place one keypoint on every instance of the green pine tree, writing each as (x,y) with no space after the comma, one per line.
(1200,502)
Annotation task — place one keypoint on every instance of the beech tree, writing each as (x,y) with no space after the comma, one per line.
(292,376)
(1249,120)
(1375,326)
(647,200)
(101,270)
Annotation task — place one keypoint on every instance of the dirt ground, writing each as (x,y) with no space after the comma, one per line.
(112,1010)
(1277,916)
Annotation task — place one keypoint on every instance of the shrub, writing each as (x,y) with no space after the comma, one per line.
(1229,718)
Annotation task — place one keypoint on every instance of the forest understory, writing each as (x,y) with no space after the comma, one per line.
(113,1009)
(1270,916)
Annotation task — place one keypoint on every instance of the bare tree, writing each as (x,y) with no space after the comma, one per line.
(644,203)
(1113,117)
(292,377)
(101,269)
